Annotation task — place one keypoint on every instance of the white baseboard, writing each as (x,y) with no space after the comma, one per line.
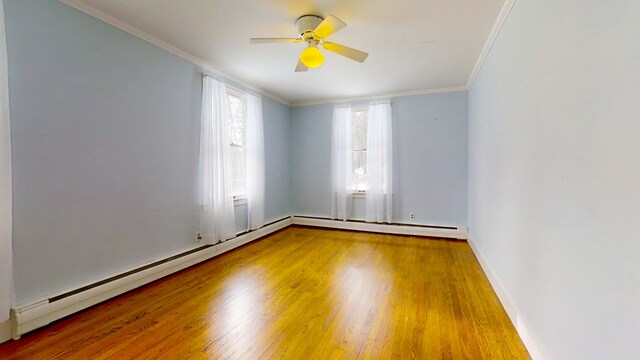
(40,313)
(399,229)
(509,306)
(5,331)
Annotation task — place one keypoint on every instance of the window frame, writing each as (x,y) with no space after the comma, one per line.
(243,97)
(354,109)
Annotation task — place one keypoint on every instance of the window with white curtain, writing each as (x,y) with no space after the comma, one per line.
(237,118)
(361,160)
(231,163)
(359,148)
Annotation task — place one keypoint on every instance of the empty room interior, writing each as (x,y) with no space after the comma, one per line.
(319,179)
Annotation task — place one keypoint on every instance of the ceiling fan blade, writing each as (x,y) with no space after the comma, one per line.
(353,54)
(274,40)
(301,67)
(328,26)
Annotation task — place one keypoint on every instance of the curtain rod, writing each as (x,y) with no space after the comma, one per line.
(362,104)
(234,86)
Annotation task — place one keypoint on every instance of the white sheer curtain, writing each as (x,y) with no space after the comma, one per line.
(255,162)
(6,252)
(379,159)
(341,163)
(217,219)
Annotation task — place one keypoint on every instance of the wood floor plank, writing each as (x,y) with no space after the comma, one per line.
(301,293)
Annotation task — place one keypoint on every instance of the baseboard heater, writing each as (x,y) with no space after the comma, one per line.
(438,231)
(41,313)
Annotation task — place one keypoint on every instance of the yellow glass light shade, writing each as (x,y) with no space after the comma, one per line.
(311,57)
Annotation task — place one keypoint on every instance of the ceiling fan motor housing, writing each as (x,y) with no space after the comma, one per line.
(307,23)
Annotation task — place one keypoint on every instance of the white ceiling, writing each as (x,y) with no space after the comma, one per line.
(413,45)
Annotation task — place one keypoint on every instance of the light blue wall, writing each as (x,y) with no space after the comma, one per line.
(105,134)
(311,159)
(277,135)
(430,159)
(554,174)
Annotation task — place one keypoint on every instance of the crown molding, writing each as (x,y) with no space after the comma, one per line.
(208,67)
(381,96)
(104,17)
(497,26)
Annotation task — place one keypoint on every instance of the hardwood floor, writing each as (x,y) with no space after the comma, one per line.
(299,294)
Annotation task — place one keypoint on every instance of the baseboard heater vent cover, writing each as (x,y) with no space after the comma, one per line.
(450,232)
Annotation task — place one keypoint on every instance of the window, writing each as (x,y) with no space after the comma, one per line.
(237,118)
(361,155)
(359,148)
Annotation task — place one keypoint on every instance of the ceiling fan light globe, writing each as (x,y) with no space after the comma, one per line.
(312,57)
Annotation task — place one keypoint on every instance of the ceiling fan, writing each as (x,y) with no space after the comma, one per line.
(314,30)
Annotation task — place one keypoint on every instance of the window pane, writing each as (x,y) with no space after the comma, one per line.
(239,170)
(238,128)
(359,130)
(359,146)
(359,170)
(237,121)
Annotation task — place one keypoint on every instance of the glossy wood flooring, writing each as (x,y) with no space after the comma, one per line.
(299,294)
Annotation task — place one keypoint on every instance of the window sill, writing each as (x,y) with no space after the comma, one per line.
(359,194)
(239,201)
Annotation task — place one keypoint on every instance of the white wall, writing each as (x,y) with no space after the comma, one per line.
(6,270)
(554,173)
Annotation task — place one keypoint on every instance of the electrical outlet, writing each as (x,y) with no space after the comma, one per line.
(198,236)
(412,216)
